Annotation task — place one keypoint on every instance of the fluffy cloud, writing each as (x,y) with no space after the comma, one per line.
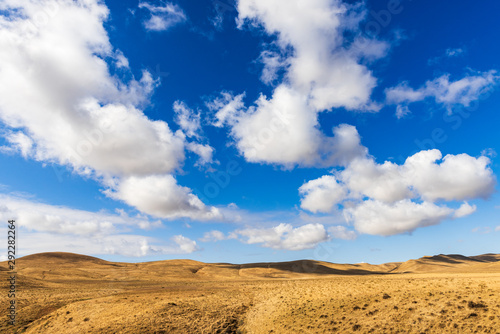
(284,236)
(204,152)
(162,197)
(321,195)
(162,17)
(285,131)
(321,70)
(321,65)
(445,92)
(379,218)
(388,198)
(457,177)
(464,210)
(90,121)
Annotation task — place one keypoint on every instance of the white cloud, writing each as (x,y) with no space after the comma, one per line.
(162,17)
(284,236)
(454,52)
(384,182)
(341,232)
(457,177)
(321,70)
(187,119)
(90,121)
(281,130)
(402,111)
(186,245)
(205,153)
(161,196)
(273,62)
(62,220)
(284,131)
(322,65)
(379,218)
(321,195)
(464,210)
(213,236)
(449,53)
(481,230)
(47,227)
(227,108)
(497,228)
(128,245)
(445,92)
(19,143)
(364,189)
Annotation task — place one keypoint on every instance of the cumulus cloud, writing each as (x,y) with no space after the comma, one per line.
(444,91)
(285,236)
(161,196)
(321,70)
(379,218)
(90,121)
(457,177)
(163,17)
(285,131)
(464,210)
(321,195)
(388,198)
(321,65)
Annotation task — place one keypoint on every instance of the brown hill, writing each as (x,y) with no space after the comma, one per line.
(451,263)
(70,293)
(59,266)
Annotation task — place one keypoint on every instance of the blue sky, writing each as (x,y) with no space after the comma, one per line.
(250,130)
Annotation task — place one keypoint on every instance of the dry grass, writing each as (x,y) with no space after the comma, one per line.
(66,293)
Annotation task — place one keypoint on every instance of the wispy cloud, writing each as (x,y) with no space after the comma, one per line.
(162,17)
(49,228)
(445,92)
(482,230)
(449,53)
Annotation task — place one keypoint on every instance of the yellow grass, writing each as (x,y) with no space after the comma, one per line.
(69,293)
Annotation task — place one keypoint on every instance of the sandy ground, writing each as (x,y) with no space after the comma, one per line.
(78,295)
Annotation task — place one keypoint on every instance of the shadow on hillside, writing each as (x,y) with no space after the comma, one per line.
(303,267)
(456,259)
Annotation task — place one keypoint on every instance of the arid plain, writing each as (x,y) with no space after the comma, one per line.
(71,293)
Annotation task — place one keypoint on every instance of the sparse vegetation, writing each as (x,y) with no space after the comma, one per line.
(86,295)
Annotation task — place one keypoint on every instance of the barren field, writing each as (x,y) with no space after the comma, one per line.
(70,293)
